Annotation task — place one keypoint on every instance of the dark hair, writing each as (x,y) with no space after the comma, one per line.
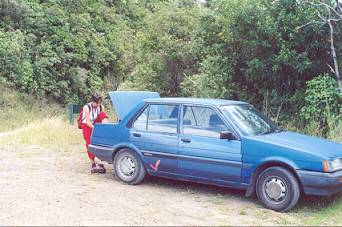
(96,97)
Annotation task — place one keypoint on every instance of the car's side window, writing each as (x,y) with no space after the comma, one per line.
(202,121)
(163,118)
(140,122)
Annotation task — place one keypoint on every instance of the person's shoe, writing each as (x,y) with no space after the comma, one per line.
(93,168)
(101,169)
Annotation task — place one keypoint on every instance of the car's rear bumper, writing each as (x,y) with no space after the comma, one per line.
(318,183)
(102,153)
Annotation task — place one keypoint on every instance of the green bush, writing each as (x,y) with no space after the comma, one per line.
(321,99)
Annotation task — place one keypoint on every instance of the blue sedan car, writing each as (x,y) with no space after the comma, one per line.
(221,142)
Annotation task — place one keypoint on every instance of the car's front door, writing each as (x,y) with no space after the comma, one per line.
(202,154)
(155,134)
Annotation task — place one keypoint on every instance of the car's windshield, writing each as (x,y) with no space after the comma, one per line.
(249,121)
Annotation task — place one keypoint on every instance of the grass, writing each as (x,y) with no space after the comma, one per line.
(50,132)
(319,210)
(20,110)
(35,123)
(332,131)
(335,132)
(242,212)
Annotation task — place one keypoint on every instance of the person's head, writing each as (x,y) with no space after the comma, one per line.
(96,100)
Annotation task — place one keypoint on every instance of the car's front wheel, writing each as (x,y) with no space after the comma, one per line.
(128,167)
(277,189)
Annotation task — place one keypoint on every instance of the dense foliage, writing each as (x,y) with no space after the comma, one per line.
(261,51)
(321,98)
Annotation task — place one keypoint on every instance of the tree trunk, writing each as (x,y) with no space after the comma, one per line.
(337,73)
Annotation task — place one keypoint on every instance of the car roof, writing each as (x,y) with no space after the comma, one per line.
(217,102)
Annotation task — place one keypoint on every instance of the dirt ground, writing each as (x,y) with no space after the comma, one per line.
(45,187)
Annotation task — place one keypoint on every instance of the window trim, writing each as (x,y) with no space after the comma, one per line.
(217,111)
(148,105)
(180,117)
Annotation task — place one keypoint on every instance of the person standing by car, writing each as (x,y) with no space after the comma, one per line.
(93,112)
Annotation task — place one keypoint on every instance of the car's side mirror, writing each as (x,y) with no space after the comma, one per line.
(226,135)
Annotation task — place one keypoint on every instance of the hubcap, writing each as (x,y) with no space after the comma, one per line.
(127,166)
(276,189)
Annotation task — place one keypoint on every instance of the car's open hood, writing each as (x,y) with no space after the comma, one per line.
(125,101)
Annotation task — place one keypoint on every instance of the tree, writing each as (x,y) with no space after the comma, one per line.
(332,16)
(16,67)
(164,54)
(257,54)
(15,14)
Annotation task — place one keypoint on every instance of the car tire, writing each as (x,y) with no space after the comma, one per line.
(128,167)
(277,189)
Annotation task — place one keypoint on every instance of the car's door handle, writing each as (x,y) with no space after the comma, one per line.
(136,134)
(186,140)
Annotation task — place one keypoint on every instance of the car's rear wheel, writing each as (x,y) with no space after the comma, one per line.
(128,167)
(277,189)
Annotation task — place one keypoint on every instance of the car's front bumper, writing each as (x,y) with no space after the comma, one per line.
(318,183)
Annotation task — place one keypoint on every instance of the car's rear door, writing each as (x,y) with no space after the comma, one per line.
(202,154)
(155,134)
